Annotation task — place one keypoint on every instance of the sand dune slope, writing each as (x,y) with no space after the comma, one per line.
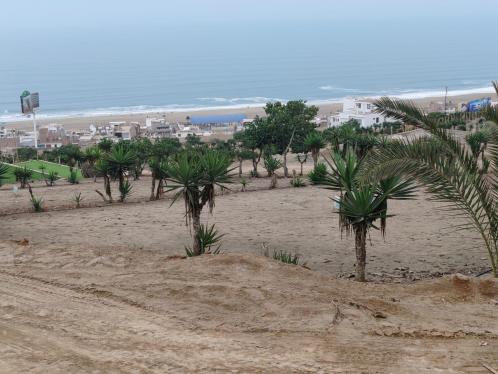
(139,311)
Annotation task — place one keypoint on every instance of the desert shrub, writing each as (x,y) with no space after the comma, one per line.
(244,182)
(297,181)
(52,178)
(208,238)
(77,198)
(317,175)
(73,177)
(37,203)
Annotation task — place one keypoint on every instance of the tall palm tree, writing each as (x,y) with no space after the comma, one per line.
(194,175)
(361,203)
(446,167)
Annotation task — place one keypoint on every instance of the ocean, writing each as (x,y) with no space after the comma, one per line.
(140,68)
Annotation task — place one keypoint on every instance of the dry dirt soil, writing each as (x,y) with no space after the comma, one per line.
(78,310)
(105,289)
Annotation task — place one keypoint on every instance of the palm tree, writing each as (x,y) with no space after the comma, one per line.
(194,175)
(446,167)
(314,141)
(362,203)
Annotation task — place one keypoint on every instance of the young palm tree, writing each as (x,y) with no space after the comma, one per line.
(443,164)
(361,204)
(314,141)
(194,175)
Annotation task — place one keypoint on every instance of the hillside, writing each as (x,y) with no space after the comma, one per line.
(82,310)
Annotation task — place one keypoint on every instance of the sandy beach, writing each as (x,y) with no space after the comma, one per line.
(326,109)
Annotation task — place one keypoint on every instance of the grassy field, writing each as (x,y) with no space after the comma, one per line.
(35,165)
(11,178)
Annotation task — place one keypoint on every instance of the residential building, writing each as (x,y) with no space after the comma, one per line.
(360,110)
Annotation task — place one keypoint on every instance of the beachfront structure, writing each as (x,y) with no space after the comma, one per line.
(359,110)
(218,120)
(159,128)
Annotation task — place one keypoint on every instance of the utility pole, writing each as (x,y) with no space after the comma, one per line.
(445,99)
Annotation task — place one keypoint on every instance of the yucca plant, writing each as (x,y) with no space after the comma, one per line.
(52,177)
(271,164)
(360,203)
(23,175)
(92,155)
(208,238)
(194,175)
(318,173)
(443,164)
(297,180)
(125,190)
(36,202)
(314,141)
(102,167)
(120,161)
(73,176)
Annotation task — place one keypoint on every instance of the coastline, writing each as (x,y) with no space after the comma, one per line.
(81,121)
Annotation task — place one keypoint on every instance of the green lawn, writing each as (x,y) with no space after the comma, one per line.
(62,170)
(11,178)
(34,166)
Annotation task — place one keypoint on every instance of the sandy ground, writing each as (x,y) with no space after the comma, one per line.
(421,240)
(326,109)
(78,310)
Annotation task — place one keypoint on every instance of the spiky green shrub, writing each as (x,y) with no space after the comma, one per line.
(77,198)
(286,257)
(208,237)
(23,175)
(52,178)
(37,203)
(297,181)
(125,190)
(73,177)
(317,175)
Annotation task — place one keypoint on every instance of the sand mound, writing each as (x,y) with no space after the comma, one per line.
(81,309)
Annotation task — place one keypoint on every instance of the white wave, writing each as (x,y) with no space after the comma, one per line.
(335,88)
(234,103)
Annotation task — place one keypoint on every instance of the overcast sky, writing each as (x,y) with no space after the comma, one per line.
(57,14)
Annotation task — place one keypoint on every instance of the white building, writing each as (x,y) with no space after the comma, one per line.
(362,111)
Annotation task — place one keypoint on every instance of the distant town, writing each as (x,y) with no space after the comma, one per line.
(220,126)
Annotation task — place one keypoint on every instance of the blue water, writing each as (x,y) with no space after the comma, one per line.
(141,68)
